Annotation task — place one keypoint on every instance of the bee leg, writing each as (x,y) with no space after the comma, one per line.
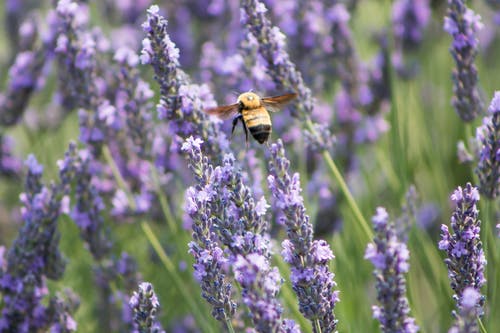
(235,122)
(246,132)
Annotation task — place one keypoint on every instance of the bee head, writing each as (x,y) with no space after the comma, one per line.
(249,100)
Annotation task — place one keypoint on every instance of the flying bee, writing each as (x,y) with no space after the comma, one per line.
(252,111)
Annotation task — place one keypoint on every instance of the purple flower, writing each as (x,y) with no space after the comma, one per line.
(181,103)
(25,75)
(260,287)
(231,213)
(488,140)
(470,309)
(88,204)
(33,257)
(463,24)
(75,53)
(311,279)
(390,257)
(145,305)
(10,166)
(209,258)
(133,104)
(466,260)
(409,20)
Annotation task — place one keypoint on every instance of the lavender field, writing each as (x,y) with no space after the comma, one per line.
(373,207)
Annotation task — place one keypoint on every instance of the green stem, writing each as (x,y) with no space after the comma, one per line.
(155,243)
(163,202)
(116,172)
(343,187)
(229,326)
(317,327)
(481,325)
(489,246)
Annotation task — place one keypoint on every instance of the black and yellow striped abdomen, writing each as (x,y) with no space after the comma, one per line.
(258,123)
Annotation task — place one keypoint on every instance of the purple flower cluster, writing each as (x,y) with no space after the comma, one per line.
(349,69)
(308,28)
(232,217)
(241,233)
(463,24)
(144,304)
(466,260)
(390,257)
(78,171)
(88,204)
(75,50)
(10,166)
(409,18)
(209,257)
(26,72)
(466,319)
(311,278)
(181,103)
(33,258)
(488,140)
(261,284)
(133,102)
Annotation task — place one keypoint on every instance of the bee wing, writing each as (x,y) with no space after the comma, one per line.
(276,103)
(223,111)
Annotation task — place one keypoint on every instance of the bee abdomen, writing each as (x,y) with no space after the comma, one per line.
(260,132)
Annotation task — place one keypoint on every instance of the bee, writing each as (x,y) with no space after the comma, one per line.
(252,111)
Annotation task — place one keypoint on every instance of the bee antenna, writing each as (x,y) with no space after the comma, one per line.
(235,93)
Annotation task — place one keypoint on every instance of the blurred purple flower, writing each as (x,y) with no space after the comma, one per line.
(410,18)
(10,166)
(311,279)
(463,24)
(390,257)
(86,210)
(488,139)
(33,257)
(470,309)
(25,76)
(466,260)
(74,45)
(186,324)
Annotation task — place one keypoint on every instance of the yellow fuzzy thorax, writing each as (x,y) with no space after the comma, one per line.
(249,100)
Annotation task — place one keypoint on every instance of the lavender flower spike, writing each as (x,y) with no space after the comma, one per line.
(488,138)
(33,257)
(463,24)
(311,278)
(181,103)
(145,304)
(466,261)
(209,257)
(261,284)
(390,257)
